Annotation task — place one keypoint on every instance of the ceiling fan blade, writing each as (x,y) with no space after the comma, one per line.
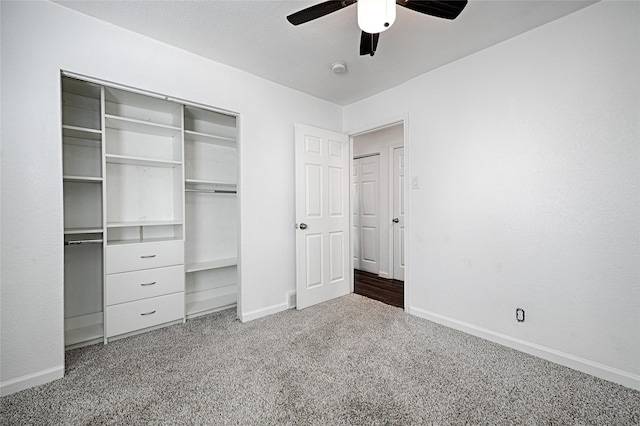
(368,43)
(317,11)
(442,9)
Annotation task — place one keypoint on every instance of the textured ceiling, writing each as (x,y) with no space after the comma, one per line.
(254,36)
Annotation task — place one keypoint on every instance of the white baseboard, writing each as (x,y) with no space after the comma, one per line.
(596,369)
(30,380)
(259,313)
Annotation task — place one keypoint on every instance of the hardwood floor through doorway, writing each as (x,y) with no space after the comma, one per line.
(372,286)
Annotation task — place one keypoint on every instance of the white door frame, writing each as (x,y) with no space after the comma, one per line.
(392,121)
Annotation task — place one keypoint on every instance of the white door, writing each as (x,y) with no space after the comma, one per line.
(355,210)
(365,208)
(322,215)
(398,214)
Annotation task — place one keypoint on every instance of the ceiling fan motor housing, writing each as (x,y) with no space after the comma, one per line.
(376,16)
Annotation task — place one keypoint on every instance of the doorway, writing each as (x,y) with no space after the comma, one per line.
(378,214)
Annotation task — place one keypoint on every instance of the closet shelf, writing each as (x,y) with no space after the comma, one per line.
(140,161)
(193,136)
(143,240)
(86,179)
(143,223)
(81,132)
(140,126)
(212,264)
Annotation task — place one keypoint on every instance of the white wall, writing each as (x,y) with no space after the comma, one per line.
(380,141)
(528,155)
(38,40)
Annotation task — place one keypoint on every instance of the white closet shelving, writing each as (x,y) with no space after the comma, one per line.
(83,226)
(211,211)
(143,155)
(144,282)
(150,211)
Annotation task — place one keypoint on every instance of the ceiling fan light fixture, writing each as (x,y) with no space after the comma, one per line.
(376,16)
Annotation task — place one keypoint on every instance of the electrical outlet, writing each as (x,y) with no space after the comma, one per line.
(520,315)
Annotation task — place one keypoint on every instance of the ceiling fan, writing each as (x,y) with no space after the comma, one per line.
(376,16)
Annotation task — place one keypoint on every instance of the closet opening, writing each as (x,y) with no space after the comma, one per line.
(378,214)
(151,216)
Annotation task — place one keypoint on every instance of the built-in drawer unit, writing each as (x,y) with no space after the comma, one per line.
(134,257)
(140,314)
(136,285)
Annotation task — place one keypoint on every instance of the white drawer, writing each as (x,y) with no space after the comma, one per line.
(133,257)
(131,316)
(130,286)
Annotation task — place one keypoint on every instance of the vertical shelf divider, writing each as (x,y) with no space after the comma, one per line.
(105,230)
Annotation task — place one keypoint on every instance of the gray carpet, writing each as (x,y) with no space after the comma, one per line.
(350,361)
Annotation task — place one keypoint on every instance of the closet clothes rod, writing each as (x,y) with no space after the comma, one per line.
(211,191)
(373,154)
(77,242)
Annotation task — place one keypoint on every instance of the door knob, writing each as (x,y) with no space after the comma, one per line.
(395,220)
(303,226)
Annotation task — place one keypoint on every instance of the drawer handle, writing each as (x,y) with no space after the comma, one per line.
(148,256)
(146,284)
(148,313)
